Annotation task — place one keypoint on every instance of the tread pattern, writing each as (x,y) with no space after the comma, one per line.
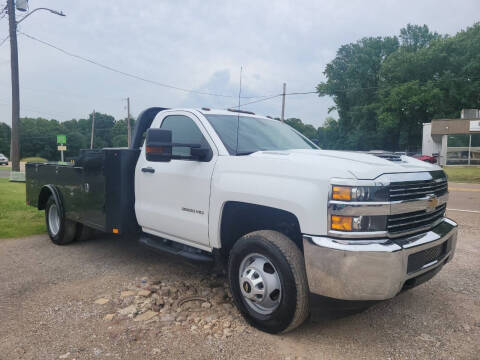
(297,264)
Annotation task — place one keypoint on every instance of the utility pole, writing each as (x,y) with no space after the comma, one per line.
(129,134)
(469,147)
(93,129)
(14,144)
(283,101)
(21,5)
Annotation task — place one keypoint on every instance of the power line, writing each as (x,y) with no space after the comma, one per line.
(357,89)
(275,96)
(93,62)
(4,40)
(256,101)
(3,13)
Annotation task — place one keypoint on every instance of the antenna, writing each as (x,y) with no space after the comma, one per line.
(238,116)
(240,87)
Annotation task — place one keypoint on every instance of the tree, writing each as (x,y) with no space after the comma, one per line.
(352,81)
(328,135)
(385,88)
(415,37)
(306,129)
(38,136)
(5,139)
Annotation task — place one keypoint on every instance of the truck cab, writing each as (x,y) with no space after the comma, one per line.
(285,219)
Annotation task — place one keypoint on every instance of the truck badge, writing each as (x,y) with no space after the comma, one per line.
(432,203)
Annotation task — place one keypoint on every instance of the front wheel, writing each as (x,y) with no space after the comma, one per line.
(268,281)
(60,230)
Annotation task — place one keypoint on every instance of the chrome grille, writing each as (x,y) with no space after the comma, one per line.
(417,189)
(418,220)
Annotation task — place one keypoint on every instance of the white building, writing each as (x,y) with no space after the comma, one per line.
(454,141)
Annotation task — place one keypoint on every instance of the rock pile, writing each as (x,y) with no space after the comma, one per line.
(204,308)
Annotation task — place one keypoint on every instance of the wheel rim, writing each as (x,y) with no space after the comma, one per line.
(260,284)
(53,219)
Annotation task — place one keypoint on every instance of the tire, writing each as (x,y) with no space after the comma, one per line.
(281,260)
(83,232)
(61,230)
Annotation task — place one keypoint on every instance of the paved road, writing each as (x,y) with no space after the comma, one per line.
(464,196)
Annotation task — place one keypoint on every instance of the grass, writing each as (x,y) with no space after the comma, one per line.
(463,174)
(33,159)
(16,218)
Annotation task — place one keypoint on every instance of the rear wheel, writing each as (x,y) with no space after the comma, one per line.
(83,232)
(60,230)
(268,281)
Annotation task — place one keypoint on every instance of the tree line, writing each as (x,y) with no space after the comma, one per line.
(38,136)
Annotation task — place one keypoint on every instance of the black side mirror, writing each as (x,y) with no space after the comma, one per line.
(201,154)
(158,145)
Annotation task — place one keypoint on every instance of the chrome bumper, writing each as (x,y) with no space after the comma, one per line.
(371,269)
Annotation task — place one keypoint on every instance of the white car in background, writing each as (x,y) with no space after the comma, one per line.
(3,160)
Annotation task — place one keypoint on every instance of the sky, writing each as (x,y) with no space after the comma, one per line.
(201,46)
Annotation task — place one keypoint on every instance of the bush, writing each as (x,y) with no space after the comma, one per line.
(33,159)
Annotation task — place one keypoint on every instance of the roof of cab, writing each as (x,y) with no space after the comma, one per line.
(210,111)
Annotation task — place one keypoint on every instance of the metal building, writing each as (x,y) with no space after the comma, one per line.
(454,141)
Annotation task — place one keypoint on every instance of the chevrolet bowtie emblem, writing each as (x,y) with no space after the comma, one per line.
(432,203)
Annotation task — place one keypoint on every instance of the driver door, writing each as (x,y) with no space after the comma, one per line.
(172,198)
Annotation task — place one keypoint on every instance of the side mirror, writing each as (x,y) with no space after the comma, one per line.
(158,145)
(201,154)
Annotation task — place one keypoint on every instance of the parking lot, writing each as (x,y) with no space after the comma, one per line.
(78,301)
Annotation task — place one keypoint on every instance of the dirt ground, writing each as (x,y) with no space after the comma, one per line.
(79,302)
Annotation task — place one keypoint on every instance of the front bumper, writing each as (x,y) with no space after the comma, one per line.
(373,269)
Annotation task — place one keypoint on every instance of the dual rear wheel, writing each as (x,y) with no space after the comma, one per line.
(63,231)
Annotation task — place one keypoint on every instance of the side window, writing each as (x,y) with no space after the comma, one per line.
(185,131)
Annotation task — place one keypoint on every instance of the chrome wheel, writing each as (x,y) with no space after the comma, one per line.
(53,219)
(260,284)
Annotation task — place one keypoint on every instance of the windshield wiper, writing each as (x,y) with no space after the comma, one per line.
(243,153)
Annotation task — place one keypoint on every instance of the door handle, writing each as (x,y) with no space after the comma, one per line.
(148,170)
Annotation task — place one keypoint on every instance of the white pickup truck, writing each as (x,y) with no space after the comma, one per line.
(287,220)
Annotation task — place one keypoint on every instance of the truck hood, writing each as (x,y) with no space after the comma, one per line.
(359,165)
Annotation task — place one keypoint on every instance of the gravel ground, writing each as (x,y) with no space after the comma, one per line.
(110,298)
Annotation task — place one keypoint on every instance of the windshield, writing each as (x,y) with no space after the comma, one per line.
(256,134)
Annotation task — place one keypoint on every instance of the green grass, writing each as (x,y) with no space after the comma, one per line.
(16,218)
(463,174)
(33,159)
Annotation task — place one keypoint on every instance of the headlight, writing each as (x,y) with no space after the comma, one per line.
(359,193)
(358,223)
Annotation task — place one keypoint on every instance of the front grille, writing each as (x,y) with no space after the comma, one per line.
(408,222)
(429,256)
(416,189)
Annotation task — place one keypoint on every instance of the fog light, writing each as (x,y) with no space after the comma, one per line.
(343,223)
